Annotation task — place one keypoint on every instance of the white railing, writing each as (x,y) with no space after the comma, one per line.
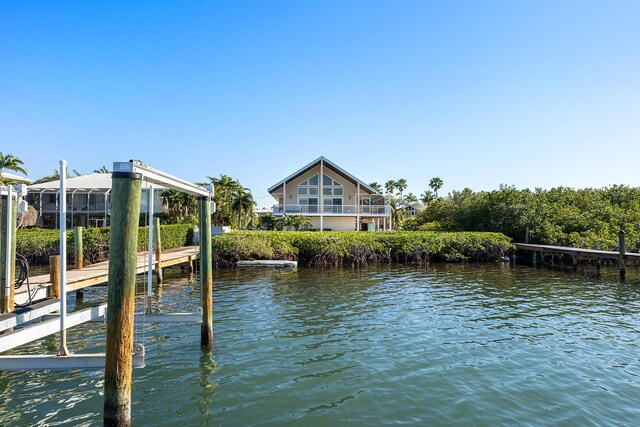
(332,210)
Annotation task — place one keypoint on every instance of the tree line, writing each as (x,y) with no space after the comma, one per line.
(587,218)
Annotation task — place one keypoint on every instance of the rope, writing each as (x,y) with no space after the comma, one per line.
(23,276)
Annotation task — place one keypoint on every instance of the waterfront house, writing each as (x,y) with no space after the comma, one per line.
(88,201)
(331,198)
(411,209)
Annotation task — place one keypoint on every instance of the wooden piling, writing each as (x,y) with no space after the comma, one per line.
(622,250)
(7,301)
(157,246)
(78,256)
(125,214)
(533,258)
(574,262)
(206,274)
(54,277)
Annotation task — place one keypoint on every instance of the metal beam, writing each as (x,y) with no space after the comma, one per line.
(49,327)
(72,361)
(35,311)
(161,178)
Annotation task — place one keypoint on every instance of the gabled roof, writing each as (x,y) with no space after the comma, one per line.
(331,165)
(14,178)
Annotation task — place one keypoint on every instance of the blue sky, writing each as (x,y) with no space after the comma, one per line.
(528,93)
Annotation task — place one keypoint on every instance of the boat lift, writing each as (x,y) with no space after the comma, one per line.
(65,359)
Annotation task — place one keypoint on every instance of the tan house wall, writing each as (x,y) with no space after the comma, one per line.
(349,189)
(335,223)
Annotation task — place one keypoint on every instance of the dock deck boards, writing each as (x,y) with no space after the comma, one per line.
(98,273)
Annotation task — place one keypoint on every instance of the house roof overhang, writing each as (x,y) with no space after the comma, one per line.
(331,166)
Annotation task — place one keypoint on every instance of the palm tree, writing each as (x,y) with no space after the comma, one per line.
(180,205)
(390,186)
(426,197)
(285,222)
(410,197)
(301,222)
(103,169)
(11,162)
(401,185)
(242,203)
(225,187)
(436,184)
(376,187)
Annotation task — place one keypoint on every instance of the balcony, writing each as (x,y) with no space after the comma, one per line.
(369,210)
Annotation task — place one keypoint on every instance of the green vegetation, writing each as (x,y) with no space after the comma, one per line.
(11,162)
(358,248)
(38,244)
(587,218)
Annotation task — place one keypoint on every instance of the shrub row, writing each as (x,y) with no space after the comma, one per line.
(38,244)
(359,248)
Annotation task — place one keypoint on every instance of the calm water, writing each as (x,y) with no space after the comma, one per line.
(452,344)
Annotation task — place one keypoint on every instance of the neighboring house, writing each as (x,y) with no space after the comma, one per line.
(332,198)
(411,209)
(88,201)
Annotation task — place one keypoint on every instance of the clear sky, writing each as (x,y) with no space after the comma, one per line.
(479,93)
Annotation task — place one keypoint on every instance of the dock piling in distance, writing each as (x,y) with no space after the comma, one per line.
(78,256)
(157,245)
(54,276)
(125,214)
(622,250)
(206,274)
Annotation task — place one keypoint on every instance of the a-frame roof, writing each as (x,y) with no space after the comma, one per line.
(331,166)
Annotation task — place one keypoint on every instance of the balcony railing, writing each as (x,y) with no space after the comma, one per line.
(332,210)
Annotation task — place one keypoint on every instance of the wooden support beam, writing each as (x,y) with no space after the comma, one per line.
(157,246)
(54,276)
(574,261)
(78,256)
(7,298)
(206,274)
(123,240)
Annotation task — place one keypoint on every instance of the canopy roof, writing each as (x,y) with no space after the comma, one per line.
(15,178)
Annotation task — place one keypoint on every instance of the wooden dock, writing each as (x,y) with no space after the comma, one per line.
(578,254)
(97,274)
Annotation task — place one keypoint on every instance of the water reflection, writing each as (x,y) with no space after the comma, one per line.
(204,404)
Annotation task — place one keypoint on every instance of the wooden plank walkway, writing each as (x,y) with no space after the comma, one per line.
(96,274)
(578,252)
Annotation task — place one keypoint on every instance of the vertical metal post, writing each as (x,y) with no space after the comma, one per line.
(151,225)
(63,351)
(622,249)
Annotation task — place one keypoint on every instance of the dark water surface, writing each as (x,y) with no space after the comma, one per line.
(449,345)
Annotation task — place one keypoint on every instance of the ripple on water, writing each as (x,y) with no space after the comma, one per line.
(451,344)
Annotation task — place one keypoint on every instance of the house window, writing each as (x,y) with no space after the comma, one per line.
(330,189)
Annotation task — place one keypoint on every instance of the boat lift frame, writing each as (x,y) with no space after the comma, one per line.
(64,359)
